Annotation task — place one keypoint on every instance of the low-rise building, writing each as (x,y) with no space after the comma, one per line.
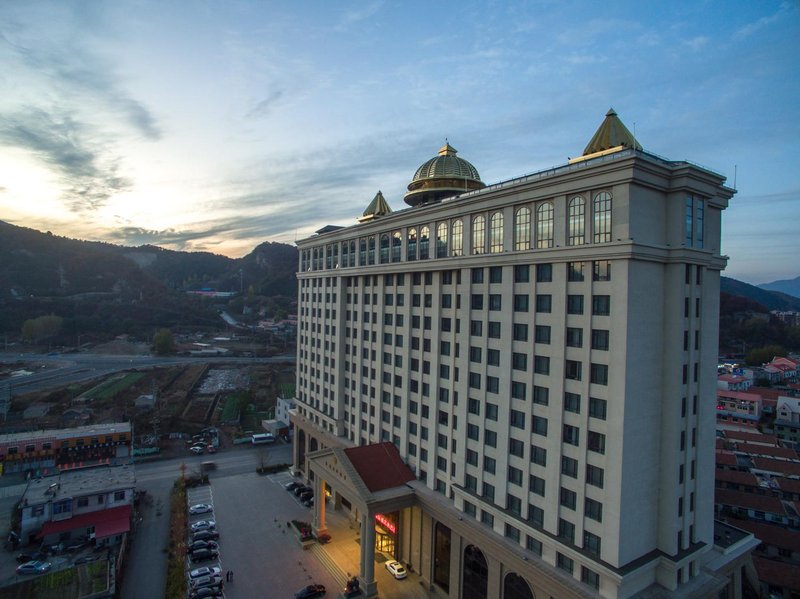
(45,451)
(737,406)
(93,505)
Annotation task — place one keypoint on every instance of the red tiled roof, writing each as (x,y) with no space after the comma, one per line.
(781,466)
(761,503)
(726,458)
(108,522)
(379,466)
(765,450)
(780,574)
(736,476)
(758,438)
(785,361)
(740,395)
(771,534)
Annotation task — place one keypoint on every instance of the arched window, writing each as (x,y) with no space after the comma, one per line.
(496,233)
(314,261)
(424,241)
(345,254)
(397,246)
(479,234)
(384,248)
(475,583)
(522,229)
(335,255)
(411,247)
(576,220)
(515,587)
(352,253)
(457,241)
(371,252)
(441,240)
(544,225)
(601,207)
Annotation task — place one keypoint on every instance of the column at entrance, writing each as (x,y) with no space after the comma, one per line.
(319,506)
(368,583)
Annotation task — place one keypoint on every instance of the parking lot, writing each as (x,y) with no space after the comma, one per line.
(251,514)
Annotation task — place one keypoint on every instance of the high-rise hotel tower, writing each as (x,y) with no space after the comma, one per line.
(510,386)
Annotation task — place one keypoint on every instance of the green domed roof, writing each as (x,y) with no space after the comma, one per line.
(442,176)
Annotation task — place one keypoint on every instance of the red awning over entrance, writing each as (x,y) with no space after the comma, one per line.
(106,523)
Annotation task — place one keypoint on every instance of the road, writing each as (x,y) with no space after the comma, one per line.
(61,370)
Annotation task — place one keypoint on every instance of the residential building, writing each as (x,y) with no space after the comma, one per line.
(737,406)
(92,504)
(46,451)
(522,363)
(787,419)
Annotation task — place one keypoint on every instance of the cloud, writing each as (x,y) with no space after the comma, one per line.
(88,172)
(264,107)
(351,17)
(755,26)
(697,43)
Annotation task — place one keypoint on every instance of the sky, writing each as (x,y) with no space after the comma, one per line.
(215,126)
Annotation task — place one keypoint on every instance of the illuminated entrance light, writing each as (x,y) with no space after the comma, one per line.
(386,523)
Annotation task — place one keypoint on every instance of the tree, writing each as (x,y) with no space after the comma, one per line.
(42,327)
(163,342)
(762,355)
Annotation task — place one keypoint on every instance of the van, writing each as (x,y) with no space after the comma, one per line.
(260,438)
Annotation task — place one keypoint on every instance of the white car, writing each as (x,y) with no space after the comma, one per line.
(197,449)
(396,569)
(205,571)
(203,525)
(201,508)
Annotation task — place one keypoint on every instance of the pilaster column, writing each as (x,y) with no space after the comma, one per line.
(319,506)
(368,583)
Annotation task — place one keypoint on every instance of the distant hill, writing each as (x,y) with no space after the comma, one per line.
(105,289)
(772,300)
(788,286)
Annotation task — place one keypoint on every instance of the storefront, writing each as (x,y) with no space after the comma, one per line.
(386,533)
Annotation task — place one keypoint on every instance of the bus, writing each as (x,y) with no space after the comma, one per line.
(261,438)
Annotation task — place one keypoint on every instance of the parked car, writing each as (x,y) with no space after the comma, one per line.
(34,567)
(203,555)
(309,592)
(197,545)
(203,525)
(207,581)
(197,449)
(309,502)
(205,593)
(305,495)
(291,486)
(396,569)
(301,489)
(205,571)
(23,558)
(205,535)
(201,508)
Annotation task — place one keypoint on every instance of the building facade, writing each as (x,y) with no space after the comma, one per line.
(536,350)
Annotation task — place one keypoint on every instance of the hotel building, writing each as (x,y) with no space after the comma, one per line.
(503,383)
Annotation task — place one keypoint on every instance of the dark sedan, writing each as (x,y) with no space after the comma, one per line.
(309,592)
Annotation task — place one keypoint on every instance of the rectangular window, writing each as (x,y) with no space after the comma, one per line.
(544,273)
(544,303)
(574,304)
(538,455)
(594,476)
(516,447)
(601,270)
(601,305)
(569,467)
(600,339)
(593,509)
(475,354)
(590,577)
(493,357)
(571,434)
(496,274)
(596,442)
(533,545)
(495,302)
(492,384)
(537,485)
(519,361)
(573,370)
(522,273)
(566,531)
(517,419)
(476,328)
(515,476)
(476,301)
(494,330)
(477,275)
(520,302)
(541,365)
(541,395)
(599,374)
(574,337)
(518,390)
(520,332)
(591,543)
(535,515)
(572,402)
(539,426)
(597,408)
(542,334)
(575,271)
